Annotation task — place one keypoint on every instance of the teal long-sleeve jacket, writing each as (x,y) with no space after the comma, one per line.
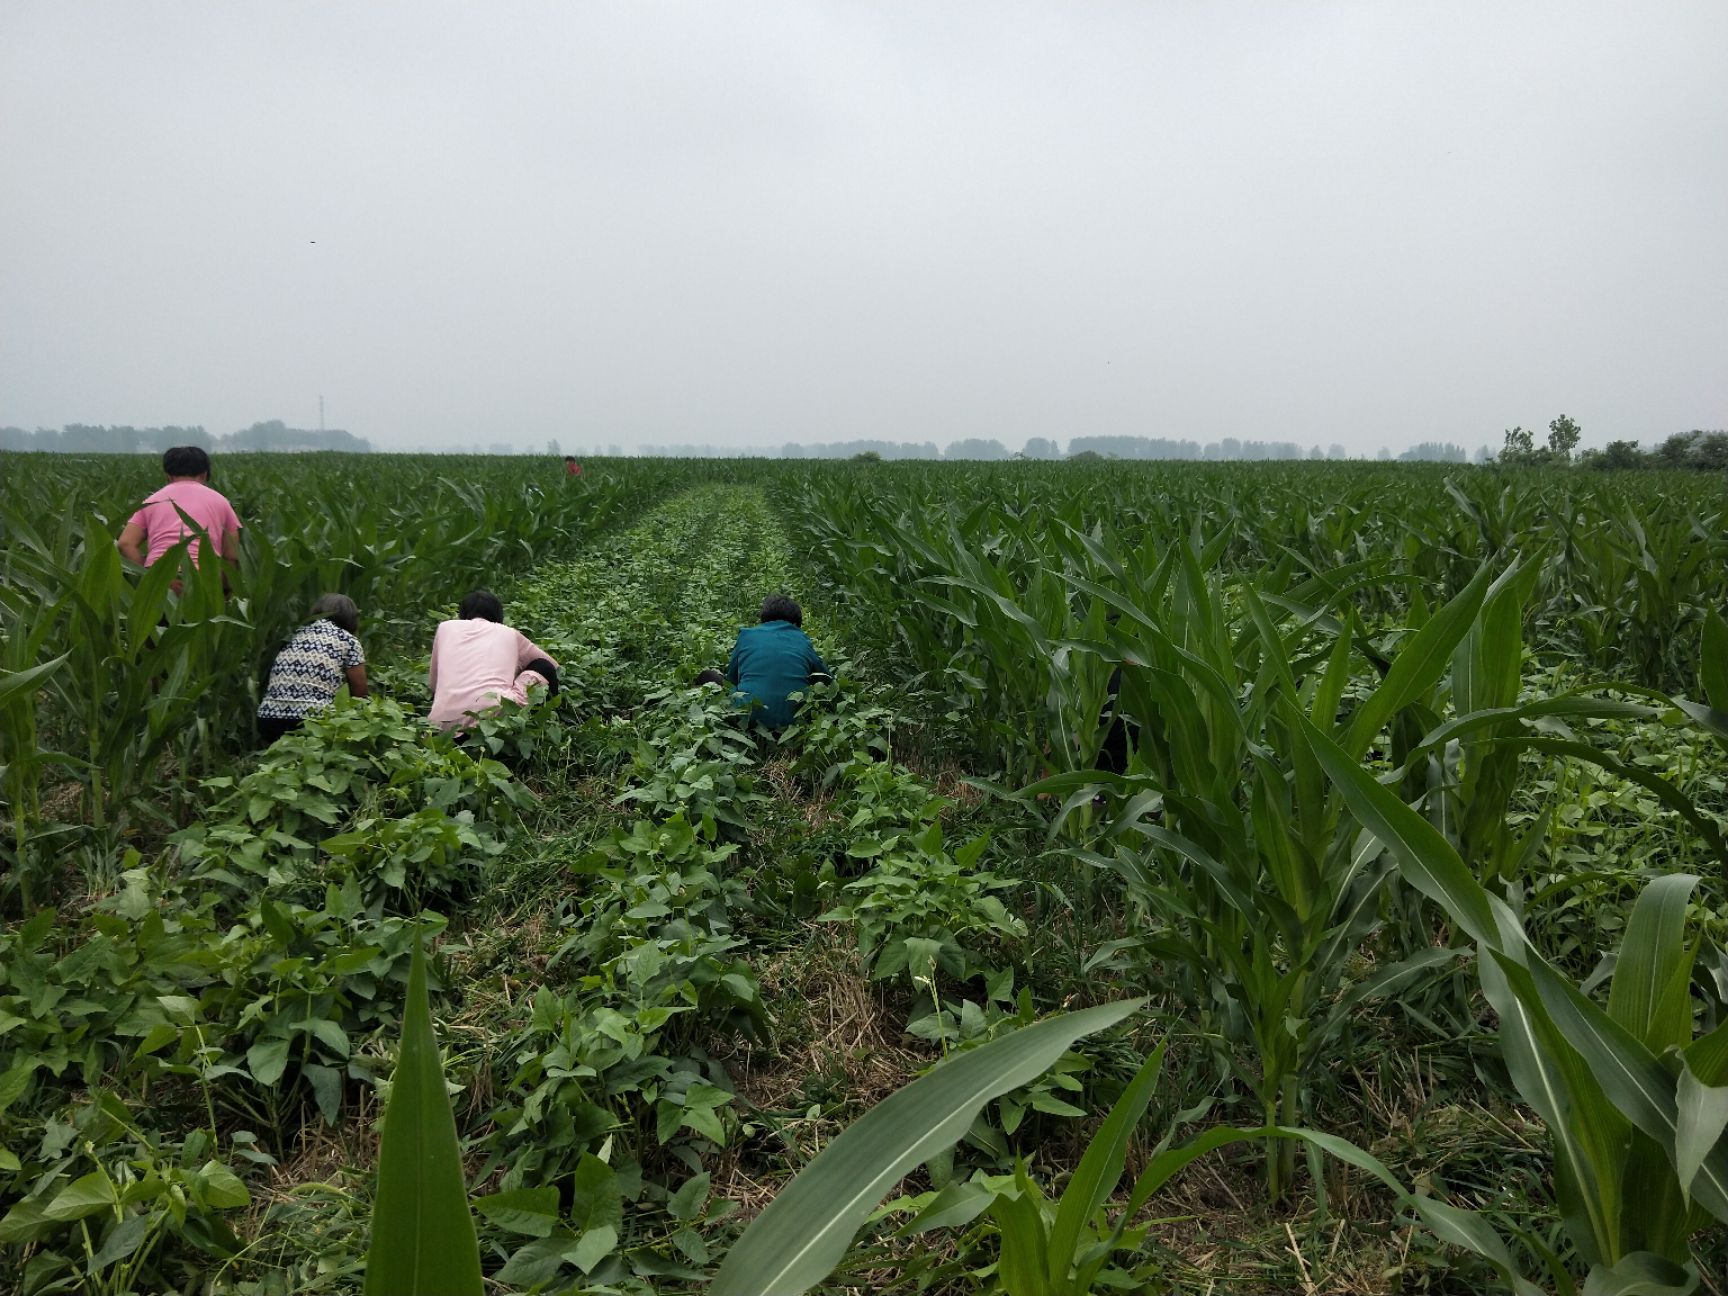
(769,662)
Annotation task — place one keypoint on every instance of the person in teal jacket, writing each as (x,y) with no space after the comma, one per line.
(772,661)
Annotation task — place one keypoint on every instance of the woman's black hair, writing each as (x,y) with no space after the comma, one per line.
(709,676)
(185,461)
(777,607)
(483,604)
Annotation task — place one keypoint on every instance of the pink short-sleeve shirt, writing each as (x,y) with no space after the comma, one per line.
(159,516)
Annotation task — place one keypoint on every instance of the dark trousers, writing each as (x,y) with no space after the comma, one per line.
(270,728)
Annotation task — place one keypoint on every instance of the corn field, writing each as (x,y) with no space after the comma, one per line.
(1276,877)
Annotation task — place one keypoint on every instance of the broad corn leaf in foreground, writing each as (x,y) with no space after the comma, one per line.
(796,1242)
(423,1241)
(1649,994)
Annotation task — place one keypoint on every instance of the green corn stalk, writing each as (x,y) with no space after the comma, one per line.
(423,1241)
(1640,1151)
(1254,881)
(21,759)
(147,668)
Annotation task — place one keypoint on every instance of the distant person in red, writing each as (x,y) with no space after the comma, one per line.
(158,526)
(571,467)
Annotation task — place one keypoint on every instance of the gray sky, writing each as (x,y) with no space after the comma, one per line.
(746,223)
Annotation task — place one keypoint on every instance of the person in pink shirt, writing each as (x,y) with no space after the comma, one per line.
(158,525)
(478,662)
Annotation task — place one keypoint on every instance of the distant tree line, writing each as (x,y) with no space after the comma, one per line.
(1435,452)
(1520,444)
(1696,451)
(1138,447)
(852,449)
(1081,447)
(96,438)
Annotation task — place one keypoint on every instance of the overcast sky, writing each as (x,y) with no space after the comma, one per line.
(748,223)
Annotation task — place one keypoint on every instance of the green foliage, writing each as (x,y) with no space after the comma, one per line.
(1634,1185)
(841,724)
(418,811)
(106,1196)
(1563,437)
(170,660)
(1520,446)
(921,911)
(422,1232)
(802,1234)
(653,938)
(1068,1250)
(1326,681)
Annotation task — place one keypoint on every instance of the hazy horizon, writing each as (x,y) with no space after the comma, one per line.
(639,224)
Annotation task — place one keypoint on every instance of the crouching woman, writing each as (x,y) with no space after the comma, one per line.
(322,656)
(478,662)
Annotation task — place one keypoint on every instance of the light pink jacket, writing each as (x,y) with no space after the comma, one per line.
(475,665)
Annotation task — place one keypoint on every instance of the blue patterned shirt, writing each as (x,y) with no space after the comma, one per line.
(307,673)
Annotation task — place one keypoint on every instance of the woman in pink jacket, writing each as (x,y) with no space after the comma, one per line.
(478,662)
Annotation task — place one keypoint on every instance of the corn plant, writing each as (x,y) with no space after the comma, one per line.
(23,759)
(1254,887)
(1637,1105)
(422,1232)
(1063,1248)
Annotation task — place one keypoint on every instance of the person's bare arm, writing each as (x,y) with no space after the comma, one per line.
(131,543)
(357,681)
(231,547)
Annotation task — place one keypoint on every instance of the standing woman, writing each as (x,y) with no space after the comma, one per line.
(321,657)
(160,522)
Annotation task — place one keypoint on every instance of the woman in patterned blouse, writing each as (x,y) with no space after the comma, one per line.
(321,657)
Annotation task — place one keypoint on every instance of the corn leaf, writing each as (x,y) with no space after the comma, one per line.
(21,683)
(1101,1167)
(1703,1111)
(1641,1274)
(1425,857)
(1713,661)
(802,1234)
(1419,664)
(423,1241)
(1632,1077)
(1649,995)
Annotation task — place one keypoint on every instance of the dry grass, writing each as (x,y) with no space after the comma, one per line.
(816,808)
(63,803)
(340,1156)
(832,1032)
(1218,1231)
(1215,1232)
(829,1020)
